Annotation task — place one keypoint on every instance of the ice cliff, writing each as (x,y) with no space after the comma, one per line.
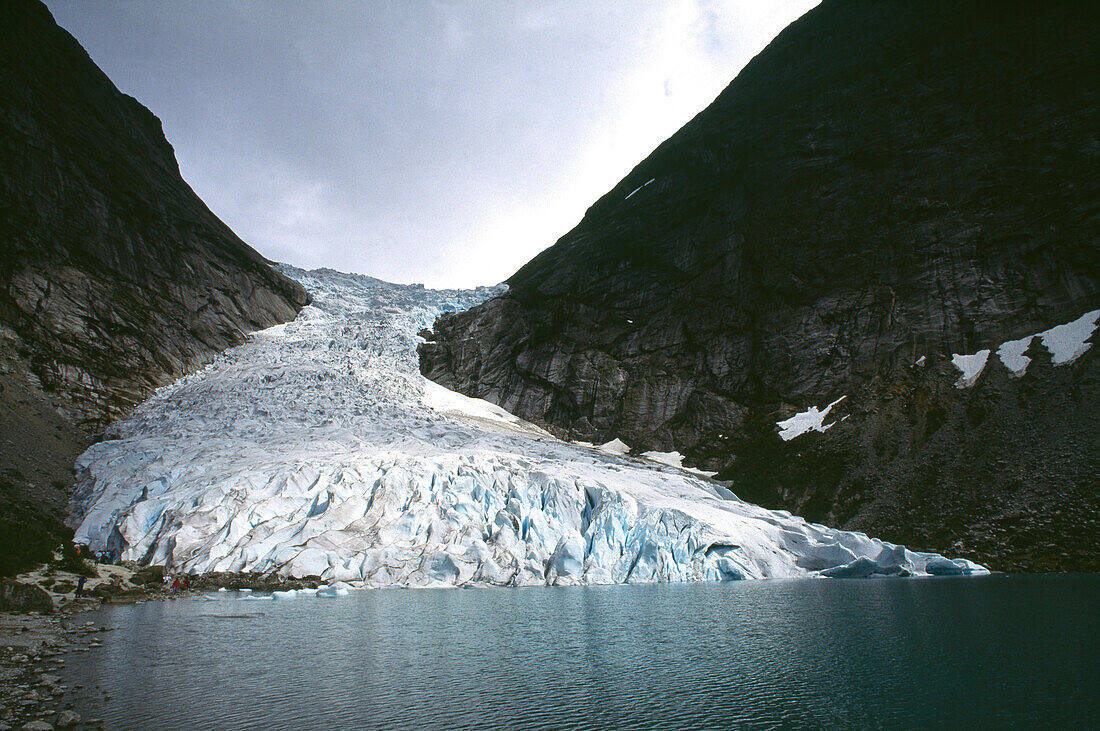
(317,448)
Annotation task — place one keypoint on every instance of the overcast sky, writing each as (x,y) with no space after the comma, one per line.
(437,142)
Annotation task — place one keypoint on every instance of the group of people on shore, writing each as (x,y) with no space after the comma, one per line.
(106,556)
(177,584)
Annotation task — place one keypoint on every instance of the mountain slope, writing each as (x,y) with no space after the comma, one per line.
(886,180)
(317,449)
(114,277)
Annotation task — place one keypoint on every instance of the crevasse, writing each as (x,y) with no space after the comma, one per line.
(317,448)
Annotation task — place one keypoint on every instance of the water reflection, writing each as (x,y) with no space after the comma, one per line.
(751,654)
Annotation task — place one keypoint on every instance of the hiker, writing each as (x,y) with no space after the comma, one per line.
(175,586)
(80,587)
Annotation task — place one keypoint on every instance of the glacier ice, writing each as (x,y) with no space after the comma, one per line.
(317,448)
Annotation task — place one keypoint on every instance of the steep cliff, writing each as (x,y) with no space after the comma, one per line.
(114,276)
(886,180)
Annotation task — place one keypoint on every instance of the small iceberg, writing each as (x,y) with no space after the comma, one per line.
(336,589)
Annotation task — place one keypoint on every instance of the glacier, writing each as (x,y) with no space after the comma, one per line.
(316,448)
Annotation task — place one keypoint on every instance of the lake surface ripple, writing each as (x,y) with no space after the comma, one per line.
(977,652)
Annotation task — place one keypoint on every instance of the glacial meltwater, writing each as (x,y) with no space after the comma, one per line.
(945,652)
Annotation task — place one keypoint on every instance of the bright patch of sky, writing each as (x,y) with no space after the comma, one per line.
(436,142)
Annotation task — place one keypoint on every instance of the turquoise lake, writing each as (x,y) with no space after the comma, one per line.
(927,653)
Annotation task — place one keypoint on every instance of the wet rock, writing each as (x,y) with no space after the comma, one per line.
(68,719)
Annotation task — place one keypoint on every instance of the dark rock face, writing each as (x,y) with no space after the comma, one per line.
(255,582)
(114,277)
(886,180)
(1005,472)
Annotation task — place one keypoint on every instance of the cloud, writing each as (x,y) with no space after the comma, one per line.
(445,142)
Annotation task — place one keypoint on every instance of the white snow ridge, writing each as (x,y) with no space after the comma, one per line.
(317,448)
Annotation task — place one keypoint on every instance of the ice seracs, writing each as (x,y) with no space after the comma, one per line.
(317,448)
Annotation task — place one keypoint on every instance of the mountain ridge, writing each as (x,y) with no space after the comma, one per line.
(887,180)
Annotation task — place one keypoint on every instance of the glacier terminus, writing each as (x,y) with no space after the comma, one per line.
(317,449)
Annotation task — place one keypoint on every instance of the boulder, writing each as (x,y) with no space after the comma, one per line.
(37,726)
(15,596)
(106,591)
(148,576)
(68,719)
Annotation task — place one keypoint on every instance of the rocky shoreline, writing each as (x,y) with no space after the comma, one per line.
(41,623)
(33,647)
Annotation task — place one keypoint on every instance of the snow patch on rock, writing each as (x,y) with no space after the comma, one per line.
(812,419)
(971,367)
(1011,353)
(615,446)
(631,193)
(672,459)
(1066,343)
